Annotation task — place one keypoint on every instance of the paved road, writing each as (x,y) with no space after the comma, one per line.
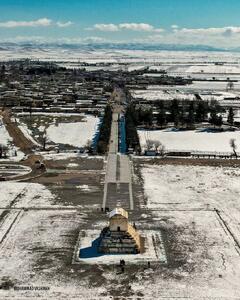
(125,169)
(111,170)
(113,147)
(118,178)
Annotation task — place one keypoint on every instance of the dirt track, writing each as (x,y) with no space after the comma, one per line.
(190,161)
(20,141)
(18,137)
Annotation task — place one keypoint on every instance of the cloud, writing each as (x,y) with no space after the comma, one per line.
(44,39)
(227,31)
(227,36)
(139,27)
(64,24)
(222,37)
(144,27)
(94,39)
(13,24)
(104,27)
(43,22)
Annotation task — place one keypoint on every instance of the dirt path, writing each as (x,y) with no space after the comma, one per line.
(188,161)
(24,144)
(16,134)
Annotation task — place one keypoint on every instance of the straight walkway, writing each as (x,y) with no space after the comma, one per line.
(113,146)
(118,178)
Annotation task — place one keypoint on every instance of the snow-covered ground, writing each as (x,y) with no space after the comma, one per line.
(28,134)
(76,134)
(55,155)
(214,69)
(211,269)
(69,56)
(5,139)
(162,94)
(39,238)
(184,93)
(198,68)
(50,114)
(22,194)
(195,140)
(192,187)
(203,203)
(14,154)
(11,170)
(197,86)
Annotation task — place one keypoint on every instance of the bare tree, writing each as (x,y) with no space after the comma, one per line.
(233,146)
(156,144)
(1,150)
(162,150)
(45,140)
(149,144)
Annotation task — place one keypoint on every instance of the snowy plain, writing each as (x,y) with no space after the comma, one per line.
(192,187)
(202,205)
(40,244)
(28,134)
(195,140)
(76,134)
(20,194)
(5,139)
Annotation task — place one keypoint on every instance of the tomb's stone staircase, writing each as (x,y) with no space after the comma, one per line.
(117,242)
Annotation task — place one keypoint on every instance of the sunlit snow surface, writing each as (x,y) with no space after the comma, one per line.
(75,134)
(195,140)
(182,200)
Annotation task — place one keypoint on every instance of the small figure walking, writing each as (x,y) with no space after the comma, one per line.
(122,262)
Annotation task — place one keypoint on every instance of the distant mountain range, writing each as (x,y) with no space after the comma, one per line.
(113,46)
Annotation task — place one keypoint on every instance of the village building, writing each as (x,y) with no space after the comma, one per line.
(120,237)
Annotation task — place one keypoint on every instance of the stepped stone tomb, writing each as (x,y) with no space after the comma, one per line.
(120,237)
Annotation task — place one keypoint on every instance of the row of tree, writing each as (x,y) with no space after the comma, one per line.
(182,114)
(132,139)
(105,131)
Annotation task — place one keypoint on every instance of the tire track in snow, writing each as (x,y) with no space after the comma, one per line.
(228,231)
(10,227)
(7,211)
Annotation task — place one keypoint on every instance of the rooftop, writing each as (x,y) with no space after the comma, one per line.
(118,211)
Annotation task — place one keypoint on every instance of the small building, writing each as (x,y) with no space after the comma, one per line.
(118,220)
(120,237)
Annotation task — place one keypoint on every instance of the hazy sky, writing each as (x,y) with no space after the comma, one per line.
(210,22)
